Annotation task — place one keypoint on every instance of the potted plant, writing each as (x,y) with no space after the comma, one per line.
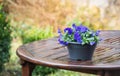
(80,41)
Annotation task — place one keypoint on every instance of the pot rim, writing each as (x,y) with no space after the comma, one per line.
(78,43)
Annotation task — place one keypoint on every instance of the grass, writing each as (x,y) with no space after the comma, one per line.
(69,73)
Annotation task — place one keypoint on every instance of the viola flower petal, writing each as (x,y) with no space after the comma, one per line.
(97,32)
(92,43)
(83,28)
(62,42)
(59,31)
(93,34)
(77,37)
(100,39)
(79,40)
(73,26)
(69,30)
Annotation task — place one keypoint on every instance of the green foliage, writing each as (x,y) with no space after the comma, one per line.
(78,22)
(65,73)
(69,73)
(75,21)
(34,33)
(43,71)
(5,39)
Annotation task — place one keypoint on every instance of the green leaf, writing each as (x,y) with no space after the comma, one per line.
(91,39)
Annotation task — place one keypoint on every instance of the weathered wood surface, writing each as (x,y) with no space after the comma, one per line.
(105,62)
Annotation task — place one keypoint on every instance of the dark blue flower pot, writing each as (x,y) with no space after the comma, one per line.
(80,52)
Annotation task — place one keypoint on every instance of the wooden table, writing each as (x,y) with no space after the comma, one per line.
(105,62)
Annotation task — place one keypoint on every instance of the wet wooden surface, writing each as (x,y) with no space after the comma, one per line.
(105,62)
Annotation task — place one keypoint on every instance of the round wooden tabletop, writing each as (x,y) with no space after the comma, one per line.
(50,53)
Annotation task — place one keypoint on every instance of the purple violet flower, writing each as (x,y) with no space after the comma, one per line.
(74,26)
(81,28)
(59,31)
(97,32)
(62,42)
(93,34)
(69,30)
(92,43)
(77,37)
(100,39)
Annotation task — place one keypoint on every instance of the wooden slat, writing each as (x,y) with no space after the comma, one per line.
(48,53)
(44,49)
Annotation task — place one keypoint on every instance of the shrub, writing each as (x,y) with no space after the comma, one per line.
(43,71)
(34,34)
(5,39)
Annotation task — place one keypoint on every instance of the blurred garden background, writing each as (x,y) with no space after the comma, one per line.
(24,21)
